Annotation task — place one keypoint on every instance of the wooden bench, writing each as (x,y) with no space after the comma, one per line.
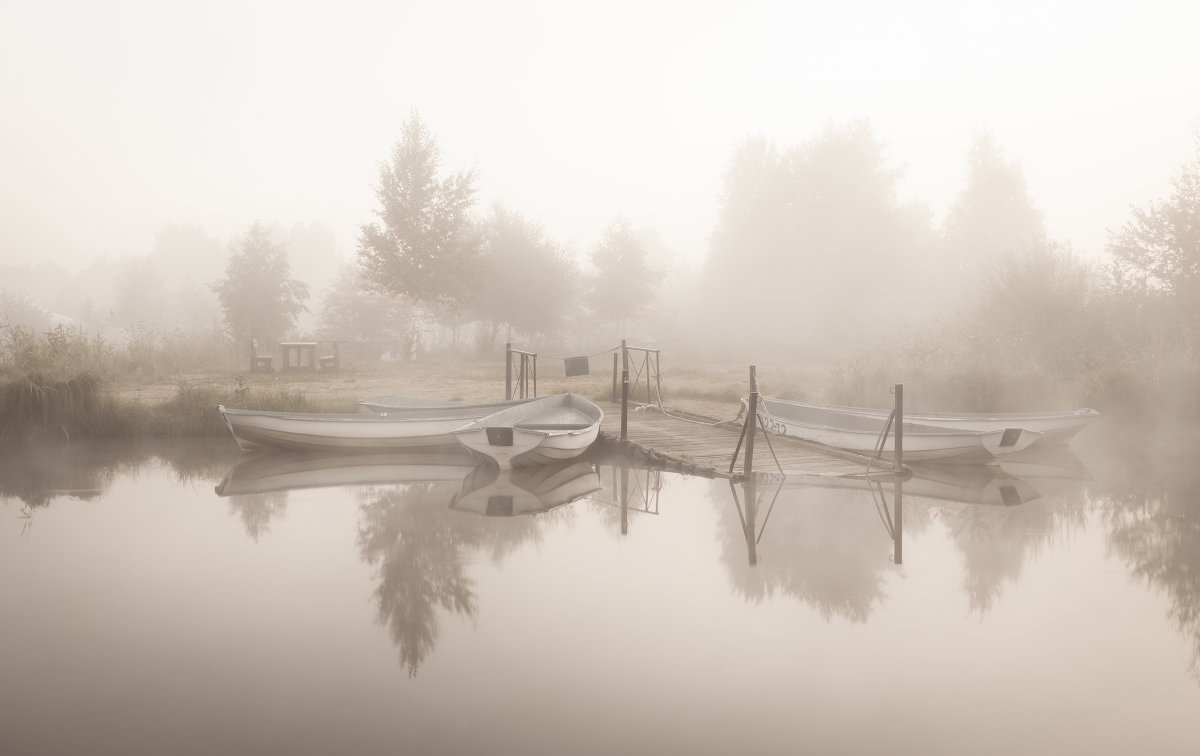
(259,361)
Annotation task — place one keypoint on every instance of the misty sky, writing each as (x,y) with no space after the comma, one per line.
(119,117)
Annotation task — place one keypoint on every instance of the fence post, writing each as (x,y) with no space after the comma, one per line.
(507,371)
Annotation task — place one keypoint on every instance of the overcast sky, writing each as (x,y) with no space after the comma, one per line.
(119,117)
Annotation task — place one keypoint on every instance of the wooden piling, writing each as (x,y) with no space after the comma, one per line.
(899,389)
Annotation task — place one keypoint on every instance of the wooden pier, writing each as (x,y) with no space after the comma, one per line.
(708,446)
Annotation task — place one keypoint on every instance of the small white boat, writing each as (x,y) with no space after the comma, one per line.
(543,431)
(525,490)
(401,429)
(1055,426)
(861,433)
(393,403)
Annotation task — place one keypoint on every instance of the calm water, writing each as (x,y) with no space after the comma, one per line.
(178,600)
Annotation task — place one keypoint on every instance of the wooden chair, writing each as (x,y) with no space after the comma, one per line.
(330,361)
(259,361)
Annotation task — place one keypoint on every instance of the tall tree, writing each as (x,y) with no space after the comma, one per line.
(624,282)
(259,297)
(424,246)
(519,258)
(1157,254)
(812,247)
(993,215)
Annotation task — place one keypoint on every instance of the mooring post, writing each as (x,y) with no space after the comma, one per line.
(507,371)
(624,404)
(534,376)
(615,374)
(753,378)
(751,430)
(899,389)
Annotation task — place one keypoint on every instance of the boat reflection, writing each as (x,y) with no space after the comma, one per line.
(488,490)
(279,470)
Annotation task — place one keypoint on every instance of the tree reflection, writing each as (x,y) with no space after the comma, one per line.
(995,541)
(37,475)
(1153,516)
(828,548)
(422,549)
(257,510)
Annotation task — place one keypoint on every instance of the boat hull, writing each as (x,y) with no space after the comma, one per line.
(332,431)
(1055,426)
(549,430)
(860,434)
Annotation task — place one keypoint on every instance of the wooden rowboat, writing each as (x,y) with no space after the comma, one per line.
(856,432)
(546,430)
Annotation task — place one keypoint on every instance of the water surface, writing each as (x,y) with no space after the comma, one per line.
(1047,608)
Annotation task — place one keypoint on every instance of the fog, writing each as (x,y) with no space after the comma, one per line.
(128,122)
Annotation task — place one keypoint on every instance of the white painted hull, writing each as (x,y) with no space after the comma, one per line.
(548,430)
(1054,426)
(304,430)
(860,433)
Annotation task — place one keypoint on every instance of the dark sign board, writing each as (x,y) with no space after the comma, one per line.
(577,366)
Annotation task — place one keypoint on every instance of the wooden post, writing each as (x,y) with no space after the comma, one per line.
(624,404)
(899,426)
(615,375)
(534,376)
(507,371)
(751,430)
(624,357)
(753,379)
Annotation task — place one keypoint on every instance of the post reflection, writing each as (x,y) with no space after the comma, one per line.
(628,490)
(821,539)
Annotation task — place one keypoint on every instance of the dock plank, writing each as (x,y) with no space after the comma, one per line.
(710,445)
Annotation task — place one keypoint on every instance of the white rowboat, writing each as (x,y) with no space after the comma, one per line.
(546,430)
(1055,426)
(401,429)
(860,433)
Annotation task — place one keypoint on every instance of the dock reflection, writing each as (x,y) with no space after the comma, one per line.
(831,541)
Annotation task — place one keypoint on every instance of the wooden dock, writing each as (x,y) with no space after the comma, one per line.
(708,445)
